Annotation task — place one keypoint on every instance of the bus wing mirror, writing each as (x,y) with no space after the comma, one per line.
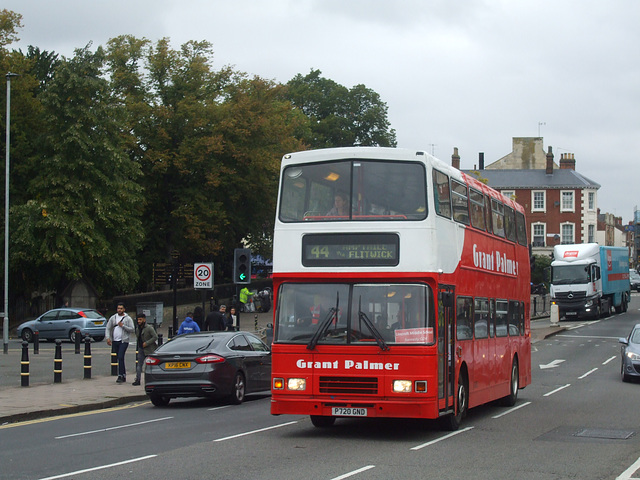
(447,299)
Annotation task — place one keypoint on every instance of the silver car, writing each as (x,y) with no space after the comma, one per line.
(63,323)
(630,350)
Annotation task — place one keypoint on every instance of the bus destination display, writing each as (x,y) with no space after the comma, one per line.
(352,249)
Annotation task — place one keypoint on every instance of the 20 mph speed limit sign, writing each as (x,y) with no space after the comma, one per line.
(203,275)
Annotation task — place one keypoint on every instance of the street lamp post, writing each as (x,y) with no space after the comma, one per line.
(5,325)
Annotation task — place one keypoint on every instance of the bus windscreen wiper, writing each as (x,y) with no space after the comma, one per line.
(324,325)
(374,331)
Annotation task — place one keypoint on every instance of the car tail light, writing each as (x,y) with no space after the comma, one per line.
(151,361)
(210,359)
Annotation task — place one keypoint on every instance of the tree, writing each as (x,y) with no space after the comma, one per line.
(82,218)
(10,22)
(338,116)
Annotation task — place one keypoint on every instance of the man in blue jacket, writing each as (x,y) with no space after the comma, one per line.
(188,326)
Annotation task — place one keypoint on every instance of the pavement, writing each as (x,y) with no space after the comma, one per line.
(43,398)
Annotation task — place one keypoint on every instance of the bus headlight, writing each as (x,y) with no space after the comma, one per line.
(402,386)
(297,384)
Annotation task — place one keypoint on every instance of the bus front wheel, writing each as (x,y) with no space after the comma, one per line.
(452,421)
(322,422)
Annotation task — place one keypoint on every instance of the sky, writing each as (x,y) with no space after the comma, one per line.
(470,74)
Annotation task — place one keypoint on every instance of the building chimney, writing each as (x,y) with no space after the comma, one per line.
(568,161)
(455,158)
(549,169)
(481,160)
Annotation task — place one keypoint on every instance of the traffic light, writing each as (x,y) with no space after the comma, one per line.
(242,265)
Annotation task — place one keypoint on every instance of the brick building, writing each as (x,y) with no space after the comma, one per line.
(561,204)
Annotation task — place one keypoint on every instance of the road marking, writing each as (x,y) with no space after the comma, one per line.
(511,410)
(588,373)
(626,475)
(72,415)
(355,472)
(218,408)
(78,472)
(585,336)
(449,435)
(254,431)
(553,364)
(556,390)
(610,359)
(113,428)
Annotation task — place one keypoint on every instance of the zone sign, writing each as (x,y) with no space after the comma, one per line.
(203,275)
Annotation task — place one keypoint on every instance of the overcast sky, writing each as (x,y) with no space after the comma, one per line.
(470,74)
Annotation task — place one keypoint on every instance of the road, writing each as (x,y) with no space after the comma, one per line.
(577,420)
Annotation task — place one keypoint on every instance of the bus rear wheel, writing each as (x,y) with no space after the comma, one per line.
(514,384)
(453,421)
(321,421)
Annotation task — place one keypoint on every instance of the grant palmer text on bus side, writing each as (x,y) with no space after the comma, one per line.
(348,365)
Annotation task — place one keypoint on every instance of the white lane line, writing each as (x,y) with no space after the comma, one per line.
(511,410)
(355,472)
(587,336)
(588,373)
(113,428)
(441,438)
(218,408)
(609,360)
(626,475)
(78,472)
(556,390)
(254,431)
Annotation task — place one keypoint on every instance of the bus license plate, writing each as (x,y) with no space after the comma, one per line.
(177,365)
(348,412)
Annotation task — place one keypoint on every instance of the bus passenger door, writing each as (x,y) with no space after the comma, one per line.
(446,346)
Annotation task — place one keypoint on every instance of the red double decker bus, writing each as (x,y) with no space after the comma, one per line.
(401,288)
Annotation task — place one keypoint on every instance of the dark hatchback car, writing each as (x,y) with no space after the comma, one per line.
(208,364)
(631,355)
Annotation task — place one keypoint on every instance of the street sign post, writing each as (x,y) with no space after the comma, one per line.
(203,276)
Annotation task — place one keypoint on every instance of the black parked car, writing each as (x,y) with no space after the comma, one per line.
(631,355)
(208,364)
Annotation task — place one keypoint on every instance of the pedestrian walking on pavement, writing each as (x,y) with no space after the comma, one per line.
(232,320)
(119,328)
(147,343)
(188,326)
(246,300)
(215,320)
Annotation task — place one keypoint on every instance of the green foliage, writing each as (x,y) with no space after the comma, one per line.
(82,216)
(10,22)
(540,272)
(338,116)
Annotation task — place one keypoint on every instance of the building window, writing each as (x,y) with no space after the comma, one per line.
(566,233)
(567,201)
(509,194)
(591,233)
(592,200)
(538,201)
(539,234)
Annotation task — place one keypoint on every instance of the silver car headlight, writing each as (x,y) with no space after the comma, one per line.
(633,356)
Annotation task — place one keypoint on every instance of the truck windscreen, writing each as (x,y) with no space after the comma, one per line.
(569,274)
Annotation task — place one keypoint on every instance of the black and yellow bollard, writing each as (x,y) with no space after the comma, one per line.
(36,342)
(255,323)
(159,339)
(24,365)
(57,363)
(87,357)
(77,339)
(114,360)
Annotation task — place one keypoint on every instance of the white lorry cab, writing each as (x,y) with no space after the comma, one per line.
(588,279)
